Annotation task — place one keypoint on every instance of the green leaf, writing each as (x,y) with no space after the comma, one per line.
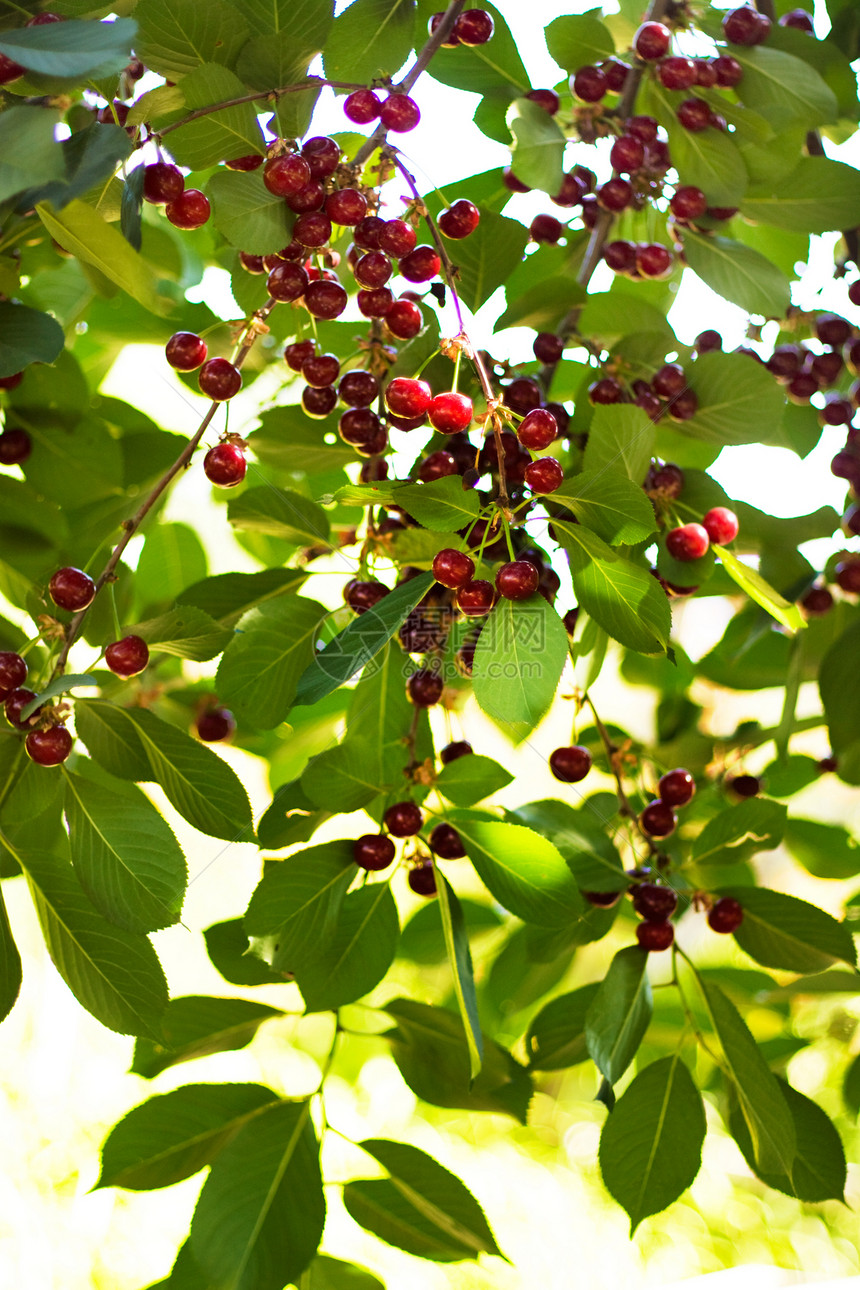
(760,591)
(818,1172)
(739,832)
(483,69)
(818,195)
(60,685)
(229,949)
(29,154)
(839,684)
(125,855)
(420,1207)
(27,336)
(543,305)
(619,1013)
(459,957)
(172,1136)
(325,1273)
(651,1144)
(75,50)
(232,132)
(358,954)
(10,965)
(519,661)
(470,779)
(522,870)
(172,557)
(176,36)
(279,513)
(620,437)
(609,503)
(620,596)
(350,775)
(156,104)
(710,160)
(784,89)
(246,213)
(227,596)
(580,836)
(300,898)
(432,1054)
(360,641)
(487,257)
(579,39)
(184,633)
(764,1110)
(737,396)
(113,973)
(783,932)
(288,37)
(738,273)
(368,39)
(196,1026)
(112,740)
(272,648)
(82,231)
(556,1036)
(537,153)
(824,850)
(260,1215)
(609,315)
(441,505)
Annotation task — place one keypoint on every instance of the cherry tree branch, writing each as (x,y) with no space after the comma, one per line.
(309,83)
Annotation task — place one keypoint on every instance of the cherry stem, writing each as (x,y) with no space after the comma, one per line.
(624,807)
(131,526)
(449,273)
(310,82)
(411,740)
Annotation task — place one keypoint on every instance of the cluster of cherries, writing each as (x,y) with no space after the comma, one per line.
(656,902)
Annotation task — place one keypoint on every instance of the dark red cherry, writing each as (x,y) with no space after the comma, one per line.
(325,299)
(547,347)
(745,26)
(454,751)
(627,154)
(225,465)
(847,577)
(459,220)
(425,687)
(358,388)
(285,176)
(376,303)
(669,380)
(313,229)
(162,183)
(476,598)
(403,319)
(310,198)
(347,206)
(653,260)
(677,73)
(373,851)
(322,155)
(422,879)
(48,747)
(655,936)
(420,265)
(219,379)
(250,161)
(185,351)
(832,330)
(547,99)
(403,819)
(538,429)
(437,466)
(513,184)
(818,600)
(651,41)
(517,580)
(446,843)
(15,704)
(319,403)
(728,70)
(658,819)
(362,106)
(190,210)
(13,672)
(544,475)
(694,114)
(688,542)
(620,256)
(10,71)
(15,446)
(615,195)
(399,113)
(215,724)
(676,787)
(397,238)
(708,342)
(570,764)
(453,569)
(546,228)
(745,785)
(72,589)
(522,395)
(725,915)
(654,902)
(450,412)
(361,596)
(127,657)
(320,370)
(407,397)
(688,202)
(589,84)
(473,27)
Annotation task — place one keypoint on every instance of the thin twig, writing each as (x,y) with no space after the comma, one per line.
(309,83)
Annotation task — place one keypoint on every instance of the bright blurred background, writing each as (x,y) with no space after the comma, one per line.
(62,1084)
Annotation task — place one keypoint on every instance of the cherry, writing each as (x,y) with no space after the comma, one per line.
(615,195)
(397,238)
(826,367)
(676,787)
(348,206)
(403,319)
(522,395)
(854,292)
(517,580)
(538,429)
(373,851)
(745,26)
(706,74)
(319,403)
(446,843)
(373,471)
(362,106)
(424,687)
(546,228)
(547,99)
(453,751)
(694,114)
(407,397)
(547,347)
(643,128)
(320,370)
(39,19)
(251,161)
(847,577)
(801,388)
(721,525)
(818,600)
(310,198)
(287,175)
(420,265)
(827,764)
(476,598)
(437,466)
(683,406)
(473,27)
(544,475)
(451,41)
(214,724)
(372,270)
(677,73)
(162,183)
(399,113)
(422,879)
(652,41)
(367,232)
(450,412)
(658,819)
(667,479)
(406,423)
(15,703)
(653,902)
(653,260)
(602,899)
(688,202)
(832,330)
(325,299)
(376,303)
(461,219)
(361,596)
(571,192)
(9,70)
(669,380)
(725,915)
(359,427)
(799,19)
(689,542)
(116,113)
(135,70)
(403,819)
(728,70)
(511,182)
(127,657)
(627,153)
(454,569)
(620,256)
(358,388)
(606,390)
(655,936)
(570,620)
(657,158)
(225,465)
(571,764)
(185,351)
(13,672)
(322,155)
(48,747)
(590,211)
(15,447)
(72,589)
(708,342)
(219,380)
(745,785)
(589,84)
(313,229)
(836,411)
(11,382)
(724,213)
(190,210)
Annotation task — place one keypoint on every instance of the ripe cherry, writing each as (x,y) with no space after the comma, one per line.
(9,71)
(190,210)
(397,238)
(319,403)
(669,380)
(185,351)
(362,106)
(403,319)
(589,84)
(446,843)
(537,430)
(694,114)
(454,751)
(473,27)
(347,206)
(653,260)
(570,764)
(437,465)
(361,596)
(424,687)
(452,568)
(517,580)
(654,902)
(225,465)
(745,785)
(422,879)
(48,747)
(818,600)
(287,175)
(677,73)
(373,851)
(832,330)
(313,229)
(219,380)
(547,347)
(215,724)
(476,598)
(15,446)
(546,228)
(459,220)
(358,388)
(688,202)
(676,787)
(15,704)
(708,342)
(403,819)
(652,41)
(127,657)
(513,184)
(627,154)
(667,479)
(745,26)
(847,576)
(322,155)
(547,99)
(615,195)
(450,412)
(321,370)
(688,542)
(658,819)
(162,183)
(655,936)
(420,265)
(729,71)
(310,198)
(406,397)
(721,525)
(522,395)
(399,113)
(725,915)
(250,161)
(620,256)
(602,899)
(13,672)
(325,299)
(544,475)
(72,589)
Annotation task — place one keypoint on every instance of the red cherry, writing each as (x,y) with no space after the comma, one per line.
(162,183)
(669,381)
(616,74)
(511,182)
(708,342)
(728,70)
(476,598)
(185,351)
(225,465)
(310,198)
(615,195)
(116,113)
(547,99)
(362,106)
(677,73)
(570,764)
(589,84)
(190,210)
(653,260)
(688,542)
(9,70)
(48,747)
(285,176)
(847,577)
(721,525)
(322,155)
(359,426)
(706,74)
(546,228)
(297,353)
(459,220)
(406,397)
(473,27)
(832,330)
(15,447)
(373,851)
(725,915)
(399,113)
(745,26)
(522,395)
(652,41)
(446,843)
(39,20)
(13,672)
(676,787)
(450,412)
(15,704)
(437,466)
(658,820)
(325,299)
(620,256)
(403,319)
(420,265)
(653,902)
(127,657)
(313,229)
(215,724)
(627,154)
(72,589)
(11,382)
(454,751)
(517,580)
(375,304)
(321,370)
(547,347)
(397,238)
(688,202)
(357,388)
(818,600)
(361,596)
(347,206)
(694,114)
(251,161)
(422,879)
(424,687)
(655,936)
(219,380)
(372,270)
(453,569)
(538,429)
(544,475)
(403,819)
